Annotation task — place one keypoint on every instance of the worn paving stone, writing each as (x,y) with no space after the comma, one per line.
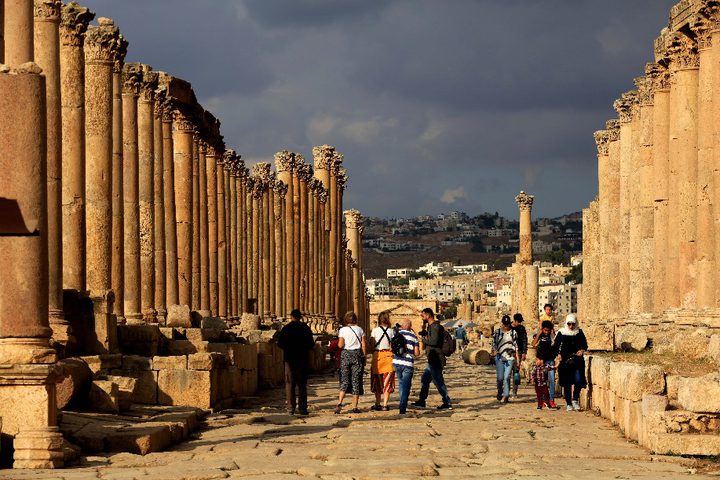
(480,437)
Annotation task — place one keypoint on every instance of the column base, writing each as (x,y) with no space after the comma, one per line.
(39,448)
(134,319)
(15,351)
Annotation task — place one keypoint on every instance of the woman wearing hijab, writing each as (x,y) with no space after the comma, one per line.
(570,345)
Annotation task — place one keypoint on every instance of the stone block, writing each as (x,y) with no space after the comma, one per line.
(631,338)
(104,396)
(713,350)
(181,347)
(600,371)
(654,403)
(141,439)
(146,389)
(254,336)
(143,340)
(213,323)
(175,362)
(126,389)
(221,348)
(205,361)
(700,394)
(672,383)
(686,444)
(186,387)
(136,362)
(249,322)
(631,381)
(172,333)
(600,337)
(179,316)
(105,362)
(74,379)
(692,345)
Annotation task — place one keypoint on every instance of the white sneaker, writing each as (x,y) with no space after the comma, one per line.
(576,406)
(569,408)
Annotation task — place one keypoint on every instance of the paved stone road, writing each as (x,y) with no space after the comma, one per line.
(478,438)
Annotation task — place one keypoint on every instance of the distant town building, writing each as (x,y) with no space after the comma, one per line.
(399,273)
(469,269)
(378,287)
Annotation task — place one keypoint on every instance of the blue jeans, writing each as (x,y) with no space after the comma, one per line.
(433,373)
(404,377)
(504,370)
(551,378)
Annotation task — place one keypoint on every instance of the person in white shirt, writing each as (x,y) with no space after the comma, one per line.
(351,338)
(382,379)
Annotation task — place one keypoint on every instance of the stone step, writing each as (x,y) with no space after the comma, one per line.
(141,430)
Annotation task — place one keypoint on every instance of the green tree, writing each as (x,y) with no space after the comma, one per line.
(576,275)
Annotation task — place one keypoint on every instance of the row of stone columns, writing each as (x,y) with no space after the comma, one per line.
(651,239)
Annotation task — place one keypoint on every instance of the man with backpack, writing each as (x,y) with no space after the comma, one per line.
(506,351)
(405,347)
(438,344)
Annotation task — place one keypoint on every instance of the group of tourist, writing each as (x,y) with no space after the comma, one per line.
(395,349)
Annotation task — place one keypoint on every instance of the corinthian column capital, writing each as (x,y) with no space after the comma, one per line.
(102,42)
(683,52)
(602,140)
(613,129)
(284,161)
(645,93)
(74,21)
(149,84)
(353,218)
(304,170)
(625,106)
(183,122)
(658,75)
(323,157)
(47,10)
(131,79)
(702,27)
(524,201)
(120,54)
(342,178)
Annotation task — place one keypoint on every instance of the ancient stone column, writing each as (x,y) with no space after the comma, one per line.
(183,130)
(132,78)
(27,386)
(146,157)
(73,25)
(596,312)
(525,203)
(660,173)
(343,300)
(311,244)
(171,259)
(222,244)
(353,219)
(47,56)
(18,32)
(284,165)
(228,257)
(324,158)
(279,190)
(233,295)
(263,173)
(305,174)
(683,158)
(610,305)
(211,160)
(241,180)
(101,44)
(256,257)
(271,244)
(117,275)
(159,209)
(196,223)
(714,13)
(250,228)
(527,273)
(204,234)
(297,279)
(705,234)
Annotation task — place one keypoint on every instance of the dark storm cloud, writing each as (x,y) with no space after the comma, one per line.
(437,105)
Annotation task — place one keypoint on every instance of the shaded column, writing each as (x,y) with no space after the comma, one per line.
(18,32)
(204,232)
(172,296)
(683,165)
(228,165)
(146,157)
(353,219)
(271,244)
(311,245)
(47,57)
(714,14)
(241,180)
(132,77)
(324,156)
(344,299)
(222,244)
(196,223)
(284,165)
(297,279)
(305,174)
(279,190)
(233,295)
(117,275)
(256,257)
(101,44)
(73,26)
(159,209)
(250,228)
(183,130)
(211,159)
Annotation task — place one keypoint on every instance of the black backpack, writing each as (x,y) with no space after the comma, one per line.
(398,344)
(448,345)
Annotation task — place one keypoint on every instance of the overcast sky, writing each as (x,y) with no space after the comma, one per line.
(438,105)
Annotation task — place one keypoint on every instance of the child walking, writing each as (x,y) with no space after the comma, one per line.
(539,378)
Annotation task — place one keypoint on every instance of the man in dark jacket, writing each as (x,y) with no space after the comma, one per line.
(522,340)
(433,339)
(296,341)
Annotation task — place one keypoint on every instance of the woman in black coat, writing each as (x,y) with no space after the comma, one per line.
(570,346)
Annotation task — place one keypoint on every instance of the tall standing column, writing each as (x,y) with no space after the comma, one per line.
(715,59)
(305,174)
(705,234)
(297,279)
(249,228)
(222,245)
(204,234)
(47,56)
(599,307)
(195,303)
(311,245)
(324,157)
(284,165)
(101,44)
(146,157)
(228,165)
(159,209)
(73,26)
(353,219)
(614,221)
(117,275)
(242,237)
(212,216)
(171,259)
(18,32)
(684,156)
(527,272)
(183,130)
(132,77)
(256,257)
(233,295)
(343,299)
(279,190)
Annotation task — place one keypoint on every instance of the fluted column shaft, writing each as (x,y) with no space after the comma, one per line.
(212,215)
(171,258)
(204,231)
(160,289)
(118,200)
(661,174)
(183,130)
(146,163)
(234,275)
(222,244)
(284,164)
(196,224)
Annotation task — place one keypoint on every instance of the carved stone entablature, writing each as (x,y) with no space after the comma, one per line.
(645,93)
(304,170)
(47,10)
(613,129)
(661,47)
(74,21)
(323,156)
(625,106)
(149,84)
(524,201)
(602,140)
(102,42)
(683,52)
(182,122)
(131,79)
(711,11)
(353,218)
(284,161)
(120,54)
